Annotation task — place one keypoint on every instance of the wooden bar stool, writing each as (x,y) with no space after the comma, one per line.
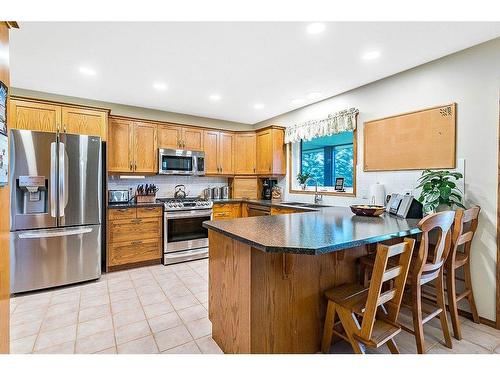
(425,267)
(464,229)
(378,311)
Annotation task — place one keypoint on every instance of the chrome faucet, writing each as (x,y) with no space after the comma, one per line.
(318,198)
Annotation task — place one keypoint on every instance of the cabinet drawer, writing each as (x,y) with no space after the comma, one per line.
(222,215)
(223,207)
(134,251)
(143,212)
(283,210)
(121,213)
(135,229)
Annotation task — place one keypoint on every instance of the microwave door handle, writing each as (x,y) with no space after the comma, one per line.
(53,178)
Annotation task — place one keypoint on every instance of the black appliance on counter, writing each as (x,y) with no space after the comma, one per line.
(267,188)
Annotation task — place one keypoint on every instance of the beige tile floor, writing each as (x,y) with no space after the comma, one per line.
(153,309)
(161,309)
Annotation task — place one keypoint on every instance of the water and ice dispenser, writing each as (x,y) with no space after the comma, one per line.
(32,194)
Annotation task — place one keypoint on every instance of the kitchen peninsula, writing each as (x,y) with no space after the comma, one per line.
(268,274)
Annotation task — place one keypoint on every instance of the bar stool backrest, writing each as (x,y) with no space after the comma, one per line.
(390,298)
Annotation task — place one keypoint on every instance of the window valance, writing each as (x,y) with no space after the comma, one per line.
(342,121)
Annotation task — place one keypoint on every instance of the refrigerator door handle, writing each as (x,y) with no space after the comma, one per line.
(63,179)
(53,233)
(53,177)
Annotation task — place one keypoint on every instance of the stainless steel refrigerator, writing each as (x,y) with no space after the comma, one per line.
(55,191)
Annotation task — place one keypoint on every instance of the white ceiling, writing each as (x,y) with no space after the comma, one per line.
(245,63)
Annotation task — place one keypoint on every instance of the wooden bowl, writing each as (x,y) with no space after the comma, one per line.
(367,209)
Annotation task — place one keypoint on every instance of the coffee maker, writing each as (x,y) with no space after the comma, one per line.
(267,188)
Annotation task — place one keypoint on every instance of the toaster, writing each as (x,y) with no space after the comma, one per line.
(118,196)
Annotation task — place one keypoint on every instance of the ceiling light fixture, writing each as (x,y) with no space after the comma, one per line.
(298,101)
(87,71)
(371,55)
(214,97)
(316,28)
(160,86)
(258,106)
(314,95)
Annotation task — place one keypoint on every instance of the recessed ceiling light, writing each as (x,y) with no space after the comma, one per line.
(314,95)
(258,106)
(160,86)
(87,71)
(298,101)
(316,28)
(214,97)
(371,55)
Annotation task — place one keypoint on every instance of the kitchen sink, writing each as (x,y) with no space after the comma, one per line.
(302,204)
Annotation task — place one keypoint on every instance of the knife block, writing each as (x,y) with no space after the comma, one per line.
(145,198)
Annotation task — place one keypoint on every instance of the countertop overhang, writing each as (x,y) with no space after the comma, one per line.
(317,232)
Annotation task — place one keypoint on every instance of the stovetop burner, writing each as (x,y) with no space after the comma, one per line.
(188,203)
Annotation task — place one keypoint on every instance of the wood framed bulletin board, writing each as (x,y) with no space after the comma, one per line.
(424,139)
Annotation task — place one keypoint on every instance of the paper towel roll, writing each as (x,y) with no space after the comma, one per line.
(377,194)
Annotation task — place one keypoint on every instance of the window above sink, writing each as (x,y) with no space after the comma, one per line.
(325,158)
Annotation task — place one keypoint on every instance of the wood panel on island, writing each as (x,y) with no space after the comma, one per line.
(47,116)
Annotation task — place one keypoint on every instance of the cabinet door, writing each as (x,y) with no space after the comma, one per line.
(169,136)
(192,139)
(84,121)
(278,152)
(245,153)
(226,147)
(264,152)
(210,146)
(34,116)
(120,146)
(145,150)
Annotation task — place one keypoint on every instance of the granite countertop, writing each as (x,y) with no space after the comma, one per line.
(134,205)
(263,202)
(322,231)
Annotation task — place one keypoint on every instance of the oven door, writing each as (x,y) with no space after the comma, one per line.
(177,162)
(184,230)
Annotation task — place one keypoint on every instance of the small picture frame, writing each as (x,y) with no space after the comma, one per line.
(3,108)
(339,184)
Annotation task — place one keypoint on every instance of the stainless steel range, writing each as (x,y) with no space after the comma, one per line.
(184,236)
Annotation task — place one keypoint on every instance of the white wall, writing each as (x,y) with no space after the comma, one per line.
(470,78)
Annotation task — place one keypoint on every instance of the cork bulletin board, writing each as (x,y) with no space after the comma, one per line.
(422,139)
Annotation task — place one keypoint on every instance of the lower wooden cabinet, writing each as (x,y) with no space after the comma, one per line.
(134,237)
(284,210)
(222,211)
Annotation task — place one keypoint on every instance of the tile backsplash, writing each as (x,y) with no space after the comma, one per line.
(166,184)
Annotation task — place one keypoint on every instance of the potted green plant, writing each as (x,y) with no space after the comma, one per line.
(302,178)
(439,190)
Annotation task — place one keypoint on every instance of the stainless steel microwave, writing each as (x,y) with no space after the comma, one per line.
(181,162)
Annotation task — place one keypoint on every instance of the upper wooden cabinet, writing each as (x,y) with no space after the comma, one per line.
(27,115)
(271,151)
(145,151)
(245,158)
(84,121)
(50,117)
(132,146)
(219,151)
(179,137)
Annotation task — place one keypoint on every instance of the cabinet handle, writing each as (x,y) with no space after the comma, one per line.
(253,169)
(149,208)
(130,165)
(65,128)
(136,242)
(136,221)
(135,166)
(122,209)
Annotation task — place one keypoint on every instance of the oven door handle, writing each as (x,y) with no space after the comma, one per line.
(186,215)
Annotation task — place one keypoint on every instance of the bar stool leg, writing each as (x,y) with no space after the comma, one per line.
(452,301)
(393,348)
(470,297)
(328,329)
(350,326)
(418,326)
(441,303)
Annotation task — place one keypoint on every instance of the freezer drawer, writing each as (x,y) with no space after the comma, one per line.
(54,257)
